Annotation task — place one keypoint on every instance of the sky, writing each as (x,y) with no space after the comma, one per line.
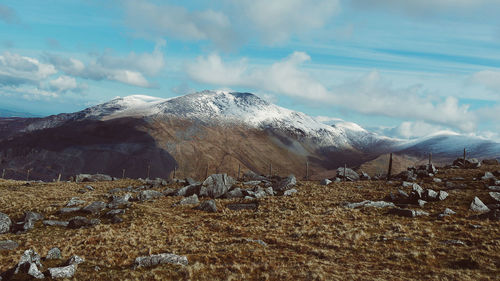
(405,69)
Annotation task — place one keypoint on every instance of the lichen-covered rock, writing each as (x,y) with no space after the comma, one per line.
(54,254)
(120,201)
(290,192)
(74,201)
(146,195)
(8,245)
(29,264)
(216,185)
(325,182)
(287,183)
(235,193)
(68,210)
(77,222)
(62,272)
(154,260)
(76,260)
(350,174)
(442,195)
(208,206)
(55,223)
(193,199)
(95,207)
(495,195)
(478,206)
(5,223)
(368,203)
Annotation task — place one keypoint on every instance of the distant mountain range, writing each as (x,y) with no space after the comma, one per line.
(12,113)
(205,132)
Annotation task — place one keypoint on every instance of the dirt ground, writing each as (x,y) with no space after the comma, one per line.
(309,236)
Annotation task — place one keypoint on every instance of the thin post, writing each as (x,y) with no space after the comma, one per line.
(345,168)
(206,172)
(175,169)
(239,170)
(307,170)
(123,173)
(3,174)
(464,156)
(270,169)
(28,175)
(430,158)
(59,177)
(390,168)
(149,168)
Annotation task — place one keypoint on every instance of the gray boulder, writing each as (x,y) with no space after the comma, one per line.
(432,195)
(417,191)
(207,206)
(243,206)
(442,195)
(290,192)
(488,176)
(74,201)
(154,260)
(55,223)
(251,176)
(478,206)
(350,174)
(78,222)
(495,195)
(94,207)
(29,263)
(216,185)
(146,195)
(5,223)
(76,260)
(235,193)
(287,183)
(120,201)
(188,190)
(28,222)
(7,245)
(252,183)
(69,210)
(193,199)
(368,203)
(407,212)
(54,254)
(62,272)
(325,182)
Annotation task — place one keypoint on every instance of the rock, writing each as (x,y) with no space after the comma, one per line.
(251,176)
(494,188)
(92,178)
(490,162)
(260,193)
(269,190)
(207,206)
(421,202)
(77,222)
(235,193)
(146,195)
(69,210)
(191,181)
(407,184)
(62,272)
(35,272)
(120,201)
(216,185)
(407,212)
(243,206)
(495,195)
(188,190)
(417,190)
(368,203)
(55,223)
(252,183)
(403,194)
(442,195)
(154,260)
(115,212)
(449,211)
(364,176)
(453,242)
(287,183)
(116,219)
(88,187)
(29,263)
(488,176)
(467,164)
(431,195)
(95,207)
(169,191)
(74,201)
(193,199)
(350,174)
(7,245)
(325,182)
(437,180)
(257,241)
(478,206)
(54,254)
(290,192)
(5,223)
(76,260)
(28,222)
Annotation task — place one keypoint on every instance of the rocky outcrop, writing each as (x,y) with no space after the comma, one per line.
(216,185)
(154,260)
(5,223)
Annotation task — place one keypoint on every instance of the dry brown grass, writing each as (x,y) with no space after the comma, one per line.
(310,236)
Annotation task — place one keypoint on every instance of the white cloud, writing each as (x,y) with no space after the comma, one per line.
(368,94)
(16,69)
(488,78)
(410,130)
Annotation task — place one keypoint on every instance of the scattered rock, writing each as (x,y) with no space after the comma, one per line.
(350,174)
(407,212)
(287,183)
(188,190)
(252,176)
(55,223)
(447,212)
(76,260)
(269,190)
(252,183)
(453,242)
(290,192)
(235,193)
(118,202)
(478,206)
(29,263)
(243,206)
(216,185)
(193,199)
(442,195)
(325,182)
(494,188)
(368,203)
(62,272)
(364,176)
(54,254)
(88,187)
(8,245)
(495,195)
(69,210)
(207,206)
(488,176)
(421,202)
(257,241)
(431,195)
(146,195)
(77,222)
(474,226)
(28,222)
(437,180)
(418,191)
(115,212)
(5,223)
(95,207)
(74,201)
(154,260)
(169,191)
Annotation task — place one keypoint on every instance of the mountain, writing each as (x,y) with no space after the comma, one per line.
(12,113)
(200,133)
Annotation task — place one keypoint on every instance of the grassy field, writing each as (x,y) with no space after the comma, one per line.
(309,236)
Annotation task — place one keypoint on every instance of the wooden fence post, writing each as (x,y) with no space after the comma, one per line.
(345,168)
(430,158)
(239,169)
(3,174)
(123,173)
(175,168)
(307,170)
(270,169)
(28,175)
(464,157)
(206,172)
(59,177)
(149,168)
(390,168)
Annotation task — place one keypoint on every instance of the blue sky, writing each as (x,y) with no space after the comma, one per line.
(403,68)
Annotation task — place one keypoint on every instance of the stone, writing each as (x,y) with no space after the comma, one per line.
(28,222)
(62,272)
(290,192)
(191,181)
(269,190)
(403,194)
(69,210)
(260,193)
(421,202)
(5,223)
(54,254)
(92,178)
(407,212)
(437,180)
(154,260)
(146,195)
(478,206)
(35,272)
(7,245)
(29,263)
(243,206)
(251,176)
(494,188)
(207,206)
(55,223)
(88,187)
(95,207)
(350,174)
(115,212)
(442,195)
(74,201)
(488,176)
(78,222)
(169,191)
(216,185)
(287,183)
(364,176)
(252,183)
(235,193)
(419,191)
(188,190)
(325,182)
(257,241)
(116,219)
(368,203)
(193,199)
(407,184)
(431,195)
(118,202)
(449,211)
(495,195)
(76,260)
